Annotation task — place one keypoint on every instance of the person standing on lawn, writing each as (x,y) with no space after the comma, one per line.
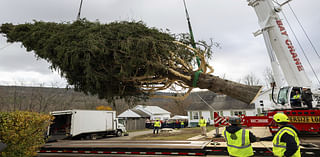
(156,126)
(203,125)
(182,124)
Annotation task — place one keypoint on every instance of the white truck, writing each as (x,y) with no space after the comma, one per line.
(84,124)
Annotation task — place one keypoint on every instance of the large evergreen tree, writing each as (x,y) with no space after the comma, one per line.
(121,59)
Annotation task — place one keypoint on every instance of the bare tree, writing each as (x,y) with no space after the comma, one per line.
(2,101)
(251,80)
(17,98)
(224,76)
(44,97)
(15,95)
(268,76)
(31,104)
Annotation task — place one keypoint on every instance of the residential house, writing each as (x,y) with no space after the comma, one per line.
(155,112)
(206,103)
(134,119)
(138,117)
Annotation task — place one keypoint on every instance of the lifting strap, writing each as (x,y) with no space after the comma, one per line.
(193,44)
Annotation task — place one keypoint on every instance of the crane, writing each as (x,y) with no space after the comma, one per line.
(284,61)
(283,56)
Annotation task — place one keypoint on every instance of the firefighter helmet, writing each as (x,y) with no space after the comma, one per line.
(280,117)
(234,120)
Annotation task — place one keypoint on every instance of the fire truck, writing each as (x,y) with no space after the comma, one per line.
(288,71)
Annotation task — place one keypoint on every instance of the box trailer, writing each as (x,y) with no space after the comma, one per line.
(84,124)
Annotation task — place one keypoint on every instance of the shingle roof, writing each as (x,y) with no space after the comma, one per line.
(152,109)
(128,113)
(213,101)
(141,113)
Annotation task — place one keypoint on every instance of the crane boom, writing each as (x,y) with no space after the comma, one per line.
(273,30)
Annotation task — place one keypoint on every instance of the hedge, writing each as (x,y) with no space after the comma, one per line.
(23,132)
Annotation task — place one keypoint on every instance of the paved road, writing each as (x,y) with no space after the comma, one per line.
(131,135)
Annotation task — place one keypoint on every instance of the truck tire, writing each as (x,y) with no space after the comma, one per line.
(89,137)
(119,133)
(93,137)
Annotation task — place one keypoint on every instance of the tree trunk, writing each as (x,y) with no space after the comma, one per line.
(235,90)
(215,84)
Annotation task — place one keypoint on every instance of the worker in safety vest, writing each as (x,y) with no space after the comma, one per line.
(285,141)
(296,102)
(238,140)
(297,95)
(156,126)
(182,124)
(296,99)
(203,124)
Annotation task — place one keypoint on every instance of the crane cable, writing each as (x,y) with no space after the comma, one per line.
(193,44)
(304,53)
(79,12)
(305,33)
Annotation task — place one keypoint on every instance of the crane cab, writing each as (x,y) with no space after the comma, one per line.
(290,96)
(287,98)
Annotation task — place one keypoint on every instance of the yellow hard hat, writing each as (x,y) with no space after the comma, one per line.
(280,117)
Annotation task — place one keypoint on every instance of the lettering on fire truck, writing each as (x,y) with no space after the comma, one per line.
(304,119)
(293,53)
(259,121)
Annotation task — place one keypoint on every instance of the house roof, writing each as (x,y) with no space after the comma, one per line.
(179,117)
(133,113)
(152,109)
(128,113)
(141,113)
(212,101)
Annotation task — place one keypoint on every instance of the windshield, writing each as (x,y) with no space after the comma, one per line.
(121,121)
(283,96)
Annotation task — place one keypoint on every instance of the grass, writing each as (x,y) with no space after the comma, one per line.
(178,134)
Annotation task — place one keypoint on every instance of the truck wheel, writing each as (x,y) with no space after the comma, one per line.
(119,133)
(93,137)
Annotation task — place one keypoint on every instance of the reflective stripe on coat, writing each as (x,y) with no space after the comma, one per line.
(280,147)
(239,146)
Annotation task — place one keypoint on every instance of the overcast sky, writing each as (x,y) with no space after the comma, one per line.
(229,22)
